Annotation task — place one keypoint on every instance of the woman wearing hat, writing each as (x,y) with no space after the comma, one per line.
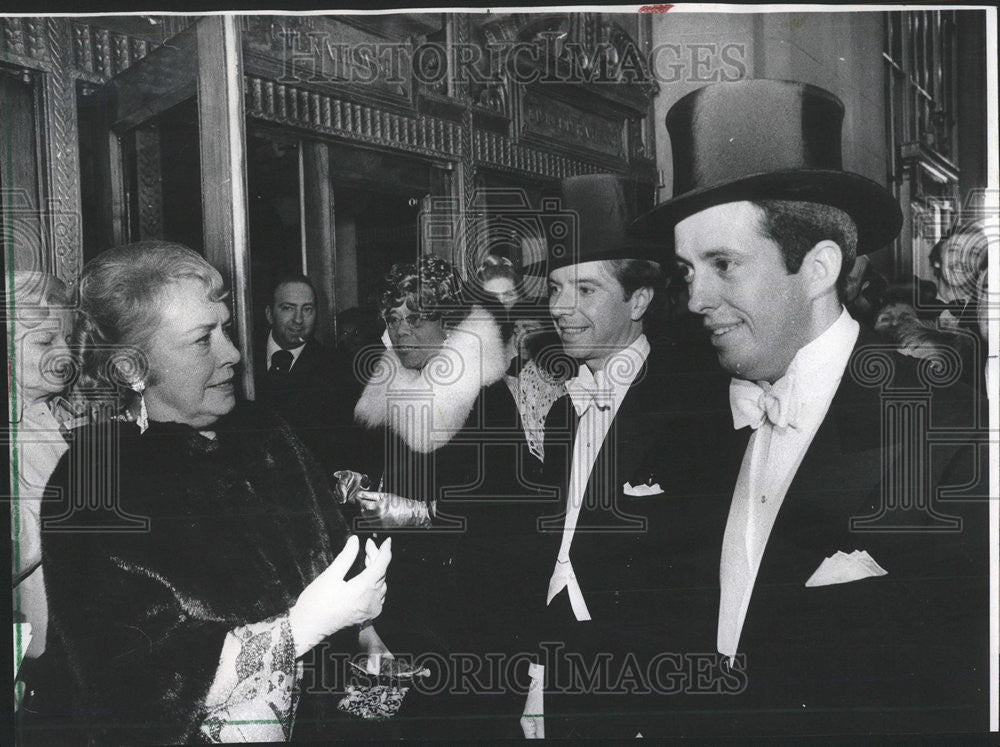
(444,442)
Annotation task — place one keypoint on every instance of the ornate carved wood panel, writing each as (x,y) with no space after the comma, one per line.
(498,125)
(64,52)
(150,182)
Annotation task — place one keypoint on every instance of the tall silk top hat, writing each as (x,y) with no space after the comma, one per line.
(766,140)
(597,211)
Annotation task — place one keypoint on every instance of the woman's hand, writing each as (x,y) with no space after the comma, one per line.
(330,603)
(390,511)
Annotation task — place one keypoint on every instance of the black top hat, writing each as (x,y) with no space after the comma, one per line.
(766,140)
(598,211)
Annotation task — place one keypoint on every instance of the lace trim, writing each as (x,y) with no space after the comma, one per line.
(534,395)
(254,695)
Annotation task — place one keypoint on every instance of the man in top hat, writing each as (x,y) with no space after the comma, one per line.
(618,448)
(851,554)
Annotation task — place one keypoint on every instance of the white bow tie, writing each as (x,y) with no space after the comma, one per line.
(752,403)
(586,389)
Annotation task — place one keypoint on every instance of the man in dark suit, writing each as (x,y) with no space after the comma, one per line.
(296,374)
(852,571)
(619,448)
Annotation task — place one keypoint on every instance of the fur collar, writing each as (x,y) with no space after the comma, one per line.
(426,408)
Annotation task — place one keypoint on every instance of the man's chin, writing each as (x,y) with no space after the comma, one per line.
(733,364)
(580,352)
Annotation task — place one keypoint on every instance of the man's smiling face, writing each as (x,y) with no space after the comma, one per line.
(756,311)
(592,315)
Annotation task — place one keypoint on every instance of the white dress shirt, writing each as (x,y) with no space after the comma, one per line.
(769,465)
(596,398)
(273,347)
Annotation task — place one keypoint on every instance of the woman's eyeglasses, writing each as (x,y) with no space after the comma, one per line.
(414,321)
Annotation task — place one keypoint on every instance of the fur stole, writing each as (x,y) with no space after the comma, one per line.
(426,408)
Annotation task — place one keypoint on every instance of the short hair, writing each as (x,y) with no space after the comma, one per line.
(291,277)
(430,286)
(797,226)
(121,299)
(633,274)
(33,293)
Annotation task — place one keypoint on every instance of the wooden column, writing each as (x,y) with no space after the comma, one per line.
(222,131)
(320,240)
(346,238)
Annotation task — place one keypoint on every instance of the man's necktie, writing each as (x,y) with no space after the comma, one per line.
(753,403)
(281,362)
(586,389)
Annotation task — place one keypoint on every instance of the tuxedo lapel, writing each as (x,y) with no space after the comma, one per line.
(307,362)
(837,480)
(630,430)
(260,362)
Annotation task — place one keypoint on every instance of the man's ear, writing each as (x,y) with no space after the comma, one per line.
(267,313)
(822,266)
(640,301)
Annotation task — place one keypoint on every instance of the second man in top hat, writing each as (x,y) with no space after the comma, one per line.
(618,447)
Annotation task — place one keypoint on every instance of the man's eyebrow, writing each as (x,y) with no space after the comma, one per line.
(717,252)
(592,279)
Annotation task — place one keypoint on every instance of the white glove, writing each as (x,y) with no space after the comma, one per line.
(330,603)
(533,719)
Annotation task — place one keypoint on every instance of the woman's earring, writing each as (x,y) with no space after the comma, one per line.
(142,420)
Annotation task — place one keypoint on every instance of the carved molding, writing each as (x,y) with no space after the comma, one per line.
(96,52)
(422,134)
(325,114)
(500,152)
(13,36)
(150,183)
(101,52)
(63,154)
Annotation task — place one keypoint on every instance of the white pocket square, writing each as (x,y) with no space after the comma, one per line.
(642,489)
(841,568)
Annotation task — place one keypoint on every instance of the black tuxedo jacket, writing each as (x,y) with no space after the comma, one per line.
(636,556)
(898,468)
(316,399)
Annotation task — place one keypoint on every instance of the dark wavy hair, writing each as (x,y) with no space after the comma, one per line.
(430,286)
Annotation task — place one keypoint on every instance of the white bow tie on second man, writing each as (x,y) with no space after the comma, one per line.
(780,403)
(588,388)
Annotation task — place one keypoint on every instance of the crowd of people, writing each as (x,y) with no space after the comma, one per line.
(483,514)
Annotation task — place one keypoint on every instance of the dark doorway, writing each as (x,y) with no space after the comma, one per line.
(379,229)
(274,215)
